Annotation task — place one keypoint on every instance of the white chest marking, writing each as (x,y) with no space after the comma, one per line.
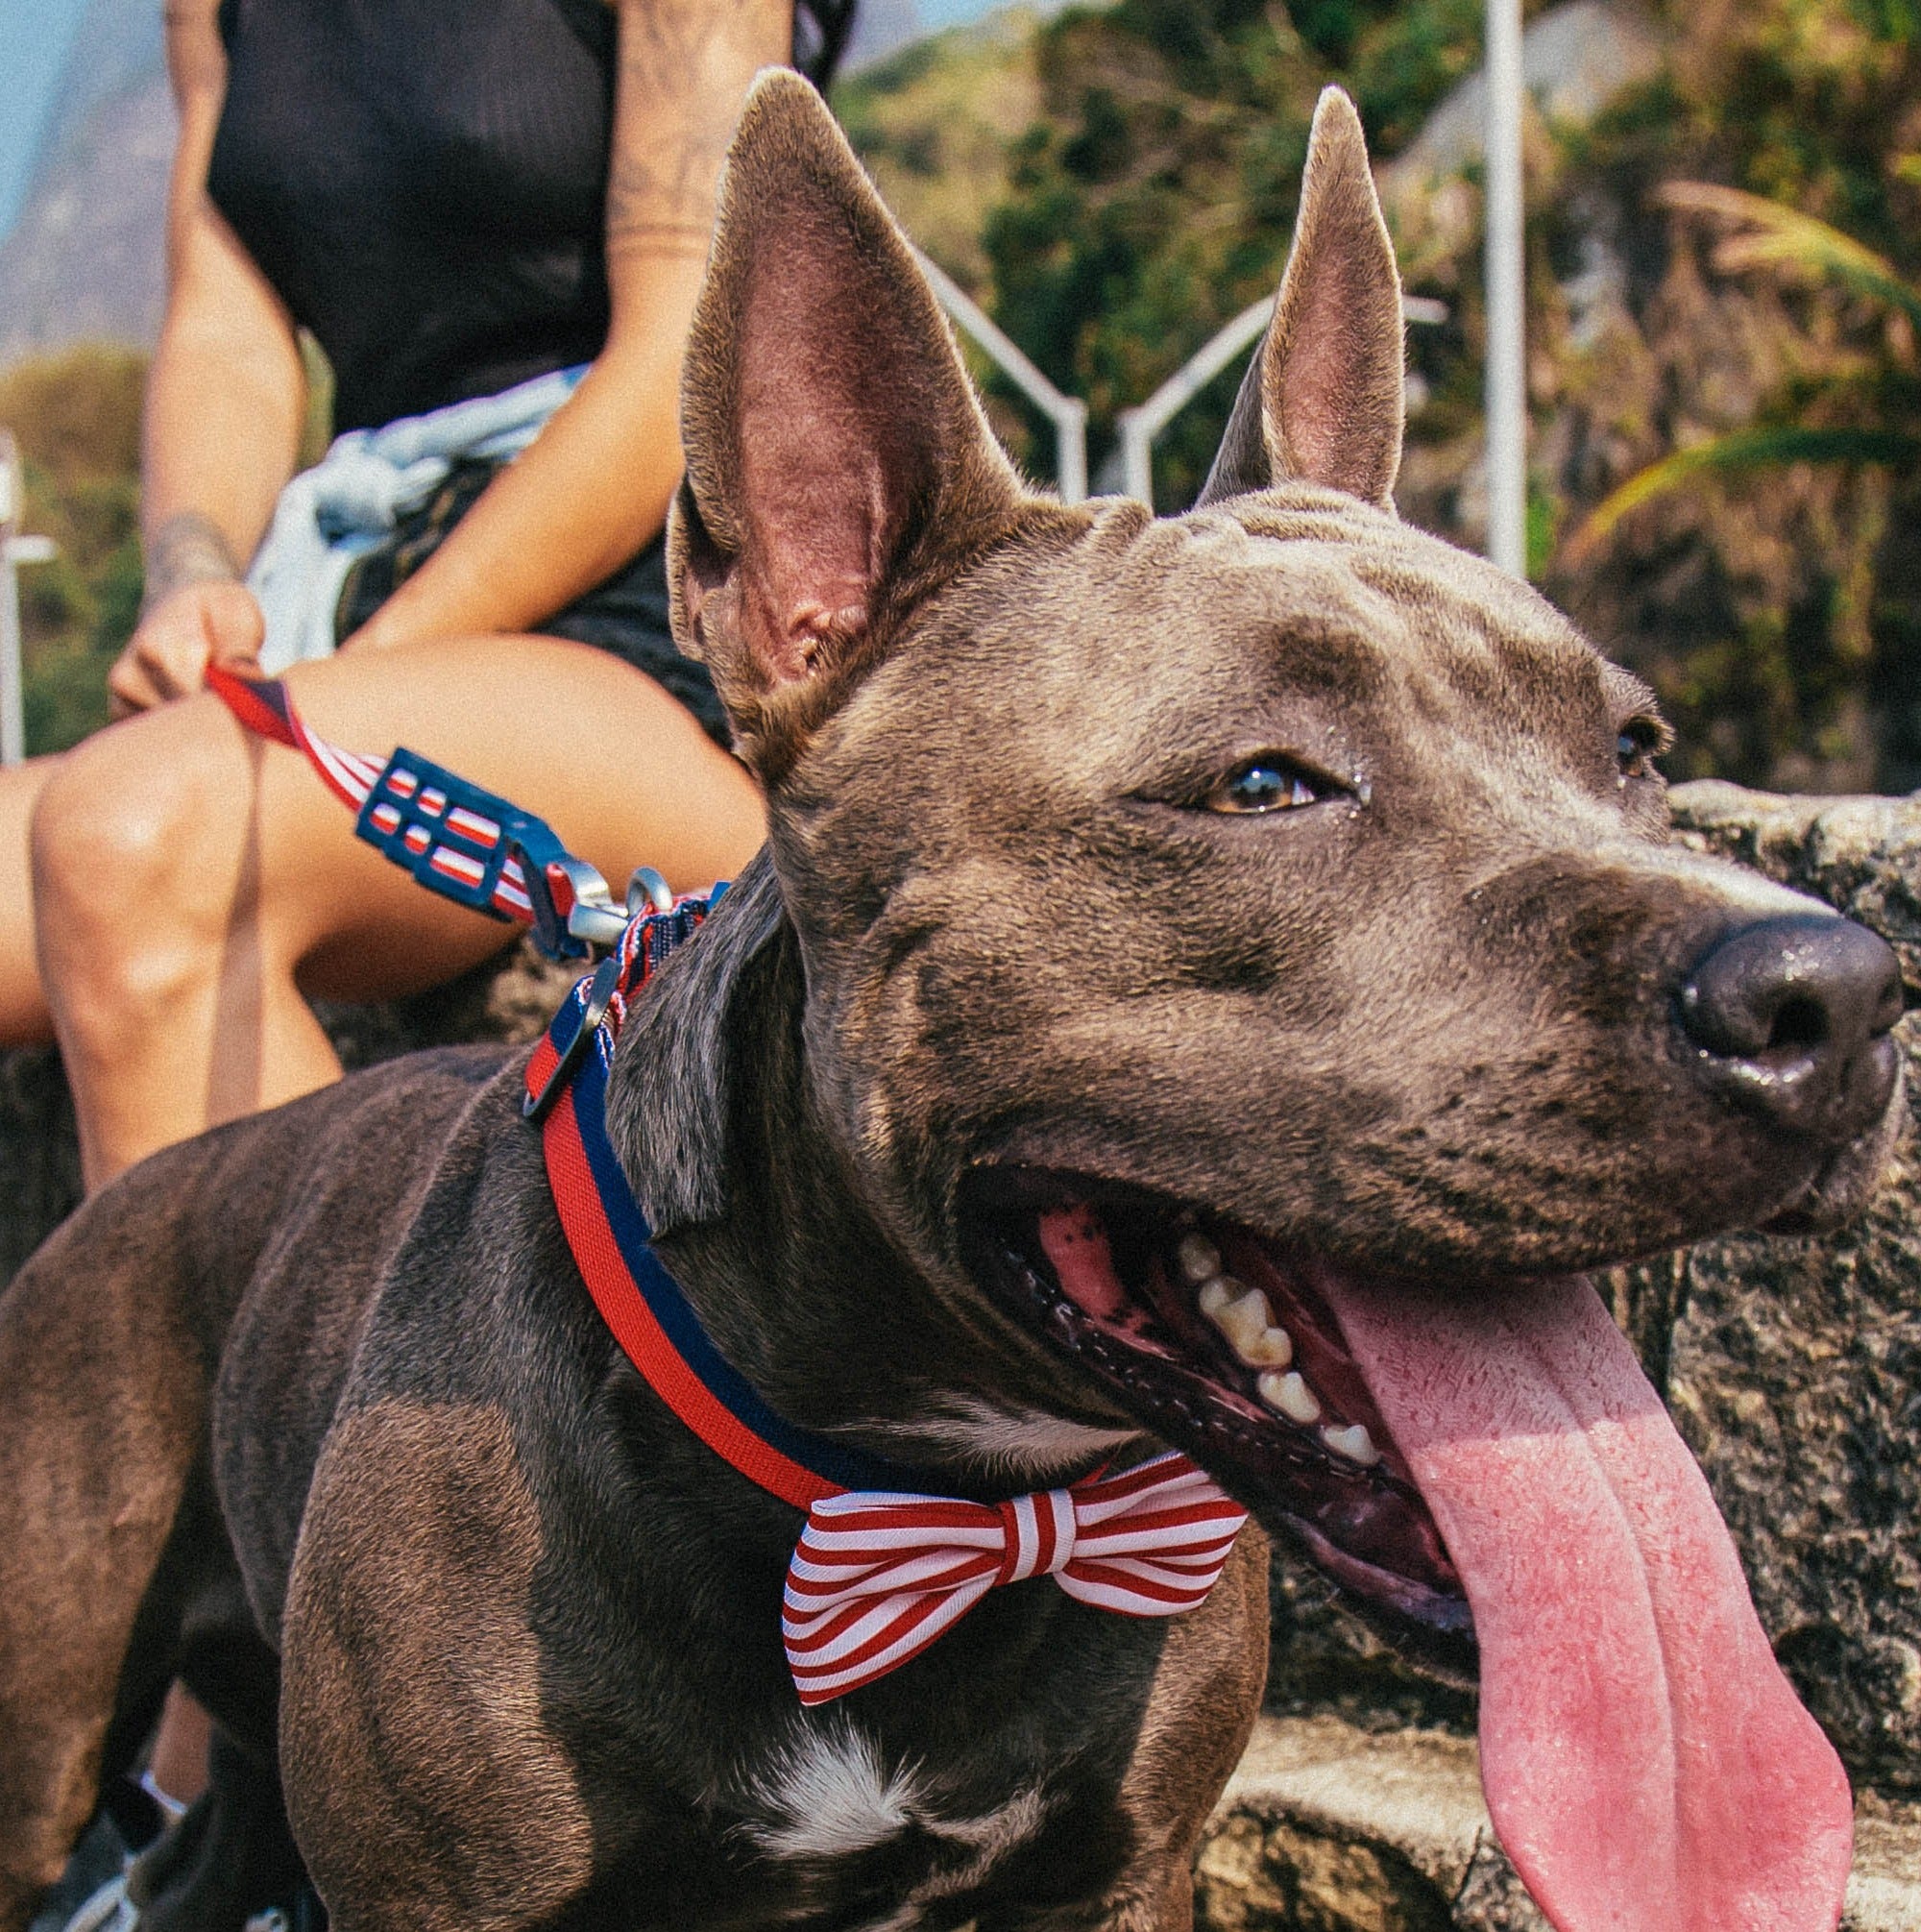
(824,1792)
(1012,1442)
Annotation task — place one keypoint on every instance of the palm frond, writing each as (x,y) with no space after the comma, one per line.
(1771,236)
(1770,448)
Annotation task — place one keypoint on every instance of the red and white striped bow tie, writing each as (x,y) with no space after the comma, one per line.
(878,1576)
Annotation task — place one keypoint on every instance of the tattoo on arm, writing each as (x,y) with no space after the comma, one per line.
(684,69)
(186,549)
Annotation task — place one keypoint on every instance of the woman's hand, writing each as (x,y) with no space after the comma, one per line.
(182,632)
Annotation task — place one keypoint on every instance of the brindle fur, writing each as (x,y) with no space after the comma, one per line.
(324,1388)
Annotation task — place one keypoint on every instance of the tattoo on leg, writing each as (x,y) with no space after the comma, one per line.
(186,549)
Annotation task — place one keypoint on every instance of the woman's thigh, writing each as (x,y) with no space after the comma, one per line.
(619,768)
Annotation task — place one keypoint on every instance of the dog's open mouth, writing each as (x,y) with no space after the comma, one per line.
(1227,1351)
(1486,1470)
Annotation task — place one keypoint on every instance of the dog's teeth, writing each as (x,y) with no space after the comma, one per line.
(1289,1396)
(1198,1258)
(1272,1348)
(1355,1443)
(1215,1295)
(1243,1318)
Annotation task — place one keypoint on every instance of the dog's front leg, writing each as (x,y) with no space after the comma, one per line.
(1199,1713)
(425,1791)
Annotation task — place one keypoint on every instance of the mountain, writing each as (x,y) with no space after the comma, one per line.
(84,261)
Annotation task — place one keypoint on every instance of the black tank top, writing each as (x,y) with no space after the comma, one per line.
(424,183)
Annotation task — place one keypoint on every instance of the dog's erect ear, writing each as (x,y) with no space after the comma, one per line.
(839,466)
(1323,399)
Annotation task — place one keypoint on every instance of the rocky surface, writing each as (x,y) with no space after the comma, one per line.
(1327,1827)
(1793,1368)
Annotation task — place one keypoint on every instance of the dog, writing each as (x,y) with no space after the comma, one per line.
(1152,911)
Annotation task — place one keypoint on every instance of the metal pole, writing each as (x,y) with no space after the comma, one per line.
(1067,413)
(14,551)
(1507,294)
(12,715)
(1139,425)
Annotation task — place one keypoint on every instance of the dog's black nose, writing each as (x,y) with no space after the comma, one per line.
(1793,1015)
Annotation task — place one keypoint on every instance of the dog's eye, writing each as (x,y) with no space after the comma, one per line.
(1642,740)
(1265,783)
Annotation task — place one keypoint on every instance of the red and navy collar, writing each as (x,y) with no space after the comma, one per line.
(642,1304)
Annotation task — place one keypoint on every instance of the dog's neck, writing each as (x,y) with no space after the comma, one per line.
(711,1113)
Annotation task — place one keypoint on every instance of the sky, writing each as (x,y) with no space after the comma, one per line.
(34,36)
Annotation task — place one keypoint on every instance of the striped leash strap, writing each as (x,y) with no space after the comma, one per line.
(456,839)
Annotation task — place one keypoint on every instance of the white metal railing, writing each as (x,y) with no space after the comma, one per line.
(1505,225)
(1141,424)
(1067,413)
(16,549)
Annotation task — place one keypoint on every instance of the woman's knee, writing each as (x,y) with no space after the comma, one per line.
(136,861)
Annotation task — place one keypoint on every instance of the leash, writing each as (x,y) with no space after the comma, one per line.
(455,838)
(884,1564)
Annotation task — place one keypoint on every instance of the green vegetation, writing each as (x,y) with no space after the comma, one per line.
(1763,568)
(1153,200)
(935,125)
(1116,181)
(77,417)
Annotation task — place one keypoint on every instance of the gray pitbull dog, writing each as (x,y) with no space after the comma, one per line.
(1210,982)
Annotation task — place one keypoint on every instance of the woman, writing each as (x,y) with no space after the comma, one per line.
(457,202)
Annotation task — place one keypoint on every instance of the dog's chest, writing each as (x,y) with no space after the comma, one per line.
(852,1834)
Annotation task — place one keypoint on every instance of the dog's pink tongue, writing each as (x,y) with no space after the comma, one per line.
(1647,1766)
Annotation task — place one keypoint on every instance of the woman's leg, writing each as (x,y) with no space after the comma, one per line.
(24,1018)
(191,880)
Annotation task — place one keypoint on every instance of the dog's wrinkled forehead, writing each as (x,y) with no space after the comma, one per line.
(1298,621)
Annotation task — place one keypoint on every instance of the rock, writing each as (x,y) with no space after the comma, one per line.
(1329,1828)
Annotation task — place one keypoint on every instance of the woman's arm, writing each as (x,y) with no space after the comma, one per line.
(596,486)
(225,397)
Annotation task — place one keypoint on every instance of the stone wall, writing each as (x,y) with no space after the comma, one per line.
(1793,1368)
